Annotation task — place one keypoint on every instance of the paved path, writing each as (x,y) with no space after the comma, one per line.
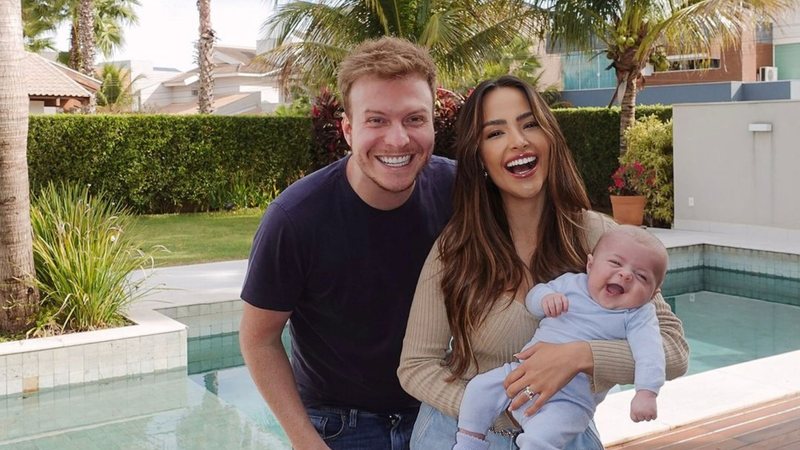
(193,284)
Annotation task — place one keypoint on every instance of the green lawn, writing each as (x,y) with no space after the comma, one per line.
(199,237)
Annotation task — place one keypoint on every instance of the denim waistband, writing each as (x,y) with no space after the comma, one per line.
(347,411)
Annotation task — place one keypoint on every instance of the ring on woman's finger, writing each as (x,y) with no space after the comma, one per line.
(529,392)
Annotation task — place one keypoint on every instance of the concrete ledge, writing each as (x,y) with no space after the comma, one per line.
(692,398)
(155,343)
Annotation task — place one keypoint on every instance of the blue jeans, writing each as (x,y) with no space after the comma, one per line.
(353,429)
(437,431)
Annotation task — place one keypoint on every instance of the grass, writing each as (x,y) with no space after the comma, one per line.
(199,237)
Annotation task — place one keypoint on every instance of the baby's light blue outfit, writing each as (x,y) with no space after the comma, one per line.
(570,410)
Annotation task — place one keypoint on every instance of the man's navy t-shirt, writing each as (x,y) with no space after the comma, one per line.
(347,272)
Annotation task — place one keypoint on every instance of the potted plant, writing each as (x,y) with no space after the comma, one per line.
(629,186)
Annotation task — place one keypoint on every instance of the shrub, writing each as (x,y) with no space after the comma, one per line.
(650,143)
(326,115)
(157,163)
(300,107)
(445,111)
(592,135)
(83,252)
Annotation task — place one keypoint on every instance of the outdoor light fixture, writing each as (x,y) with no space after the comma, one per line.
(763,127)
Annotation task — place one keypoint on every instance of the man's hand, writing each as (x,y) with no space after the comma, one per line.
(545,369)
(643,406)
(555,304)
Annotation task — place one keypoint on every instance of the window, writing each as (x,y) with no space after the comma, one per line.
(692,62)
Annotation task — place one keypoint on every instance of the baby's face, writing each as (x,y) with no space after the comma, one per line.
(622,273)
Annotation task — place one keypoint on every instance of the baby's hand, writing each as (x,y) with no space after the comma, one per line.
(555,304)
(643,406)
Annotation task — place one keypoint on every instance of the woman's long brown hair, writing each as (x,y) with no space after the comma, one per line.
(481,266)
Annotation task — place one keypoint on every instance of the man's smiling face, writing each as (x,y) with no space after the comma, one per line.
(390,130)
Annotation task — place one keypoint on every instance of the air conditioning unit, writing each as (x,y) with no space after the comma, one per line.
(768,73)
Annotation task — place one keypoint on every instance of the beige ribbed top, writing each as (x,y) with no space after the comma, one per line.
(504,332)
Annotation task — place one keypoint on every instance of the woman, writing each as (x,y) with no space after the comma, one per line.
(521,216)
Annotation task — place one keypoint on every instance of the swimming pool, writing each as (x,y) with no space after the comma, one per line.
(729,316)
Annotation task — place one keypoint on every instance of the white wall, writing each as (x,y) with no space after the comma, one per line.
(251,104)
(787,29)
(153,97)
(735,177)
(265,95)
(36,107)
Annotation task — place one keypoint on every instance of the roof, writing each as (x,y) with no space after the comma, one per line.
(233,55)
(228,61)
(44,79)
(191,107)
(90,83)
(220,71)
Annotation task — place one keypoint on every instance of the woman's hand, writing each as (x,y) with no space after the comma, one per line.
(546,368)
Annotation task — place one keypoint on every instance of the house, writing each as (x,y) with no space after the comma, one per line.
(241,85)
(54,87)
(145,82)
(764,66)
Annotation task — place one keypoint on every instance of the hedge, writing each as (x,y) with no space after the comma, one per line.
(593,136)
(159,163)
(156,163)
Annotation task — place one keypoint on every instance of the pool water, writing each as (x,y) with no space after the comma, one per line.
(722,329)
(216,363)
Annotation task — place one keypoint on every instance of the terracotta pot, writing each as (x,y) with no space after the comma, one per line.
(628,209)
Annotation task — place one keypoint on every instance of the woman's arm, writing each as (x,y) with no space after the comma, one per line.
(422,372)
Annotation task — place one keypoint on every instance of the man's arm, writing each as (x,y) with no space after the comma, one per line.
(260,340)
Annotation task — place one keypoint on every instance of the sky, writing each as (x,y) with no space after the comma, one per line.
(167,30)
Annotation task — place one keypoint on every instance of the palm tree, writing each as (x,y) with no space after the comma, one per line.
(517,59)
(18,296)
(632,30)
(83,60)
(116,93)
(43,17)
(461,35)
(205,56)
(40,19)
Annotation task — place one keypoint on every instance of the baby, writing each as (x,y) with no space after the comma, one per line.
(610,301)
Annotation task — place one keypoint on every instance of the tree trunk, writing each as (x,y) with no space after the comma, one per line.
(74,48)
(627,111)
(86,37)
(205,55)
(18,296)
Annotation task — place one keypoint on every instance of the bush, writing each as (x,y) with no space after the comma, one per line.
(157,164)
(650,143)
(593,136)
(329,142)
(300,107)
(83,253)
(445,111)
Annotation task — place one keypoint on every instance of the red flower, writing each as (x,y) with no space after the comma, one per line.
(632,179)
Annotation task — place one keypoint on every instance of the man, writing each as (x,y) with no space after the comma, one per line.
(340,252)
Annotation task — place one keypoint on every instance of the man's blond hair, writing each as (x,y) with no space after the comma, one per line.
(387,57)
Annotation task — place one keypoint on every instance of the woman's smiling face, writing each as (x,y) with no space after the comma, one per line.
(514,150)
